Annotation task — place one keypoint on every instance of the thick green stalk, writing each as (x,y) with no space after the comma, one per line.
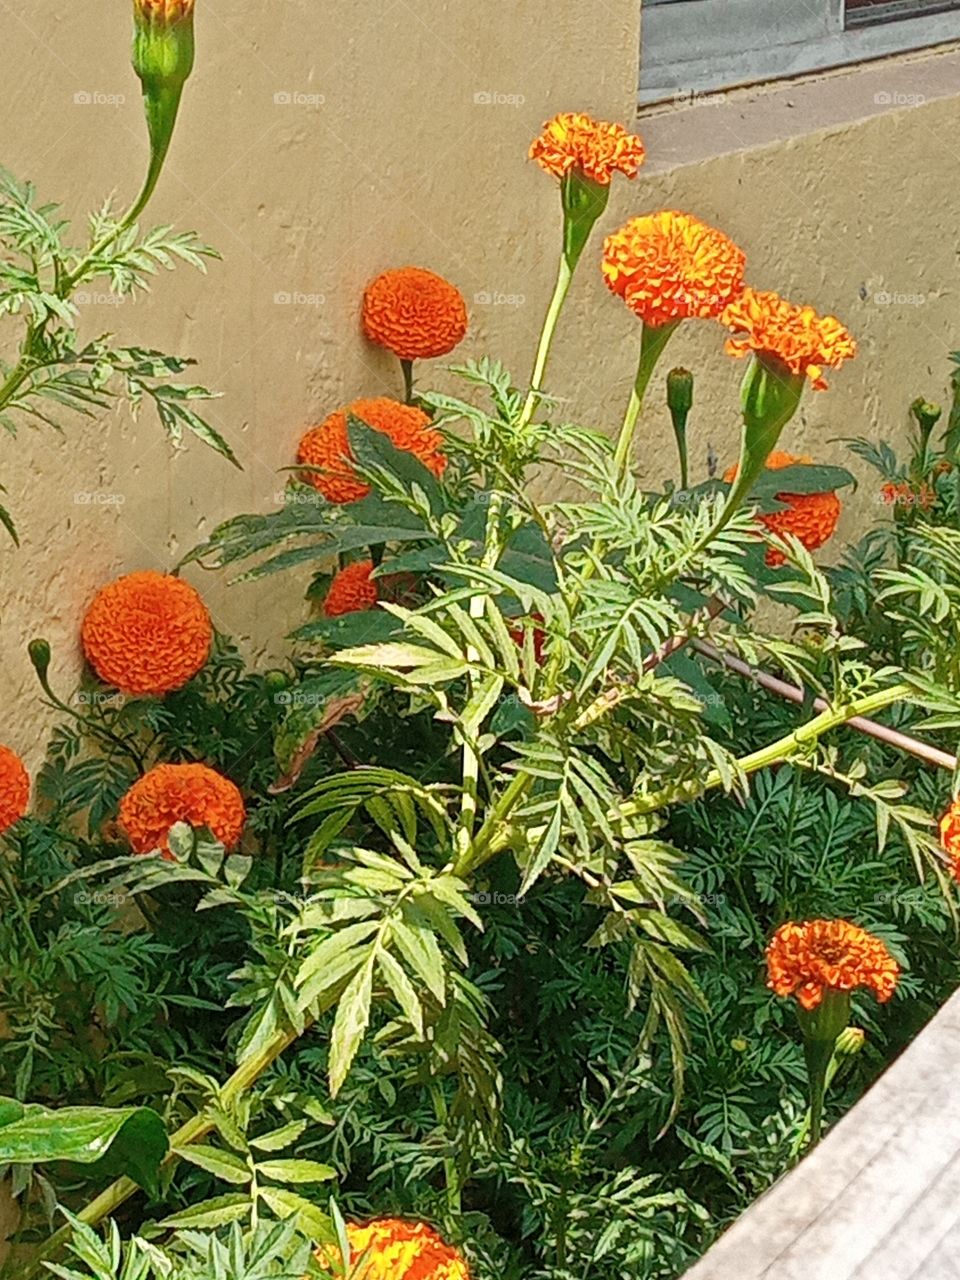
(560,291)
(773,753)
(652,344)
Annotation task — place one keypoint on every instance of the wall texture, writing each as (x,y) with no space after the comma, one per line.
(321,143)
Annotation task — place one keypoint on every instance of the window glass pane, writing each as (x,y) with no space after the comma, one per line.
(691,47)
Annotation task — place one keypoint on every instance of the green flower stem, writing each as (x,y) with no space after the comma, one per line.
(560,291)
(773,753)
(407,367)
(652,345)
(821,1027)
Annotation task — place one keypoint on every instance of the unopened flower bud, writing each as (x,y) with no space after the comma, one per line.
(849,1042)
(163,55)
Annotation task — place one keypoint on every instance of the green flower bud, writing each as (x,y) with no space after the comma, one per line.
(39,651)
(680,393)
(163,55)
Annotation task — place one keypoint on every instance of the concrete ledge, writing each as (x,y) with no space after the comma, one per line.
(700,127)
(880,1197)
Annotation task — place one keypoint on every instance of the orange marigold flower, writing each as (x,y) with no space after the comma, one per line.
(670,266)
(352,590)
(398,1250)
(14,789)
(905,494)
(413,313)
(163,11)
(596,148)
(147,633)
(811,517)
(328,445)
(950,836)
(171,793)
(807,959)
(797,336)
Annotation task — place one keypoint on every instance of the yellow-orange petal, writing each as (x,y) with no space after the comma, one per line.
(797,336)
(399,1250)
(14,788)
(810,517)
(596,148)
(806,959)
(172,793)
(328,445)
(670,266)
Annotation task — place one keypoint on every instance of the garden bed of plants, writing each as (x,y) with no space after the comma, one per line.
(548,901)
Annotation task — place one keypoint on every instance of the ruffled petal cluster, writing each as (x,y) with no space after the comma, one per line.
(14,789)
(598,149)
(807,959)
(796,336)
(670,266)
(950,836)
(172,793)
(398,1250)
(163,11)
(147,633)
(352,590)
(810,517)
(328,445)
(413,313)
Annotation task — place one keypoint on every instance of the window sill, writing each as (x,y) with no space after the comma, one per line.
(698,127)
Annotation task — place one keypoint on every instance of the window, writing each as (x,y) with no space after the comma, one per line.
(692,47)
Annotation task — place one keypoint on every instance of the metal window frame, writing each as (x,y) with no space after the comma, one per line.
(693,47)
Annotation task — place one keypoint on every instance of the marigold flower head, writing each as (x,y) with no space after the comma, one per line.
(598,149)
(398,1250)
(950,836)
(670,266)
(172,793)
(147,633)
(328,445)
(810,517)
(796,336)
(14,789)
(163,11)
(413,313)
(352,590)
(905,494)
(808,959)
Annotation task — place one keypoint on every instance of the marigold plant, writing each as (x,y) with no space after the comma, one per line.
(172,793)
(352,590)
(597,148)
(795,335)
(14,788)
(414,313)
(811,958)
(398,1250)
(810,517)
(147,633)
(327,446)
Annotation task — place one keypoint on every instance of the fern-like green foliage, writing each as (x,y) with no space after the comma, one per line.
(58,372)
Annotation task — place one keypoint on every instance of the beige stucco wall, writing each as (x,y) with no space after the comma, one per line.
(389,153)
